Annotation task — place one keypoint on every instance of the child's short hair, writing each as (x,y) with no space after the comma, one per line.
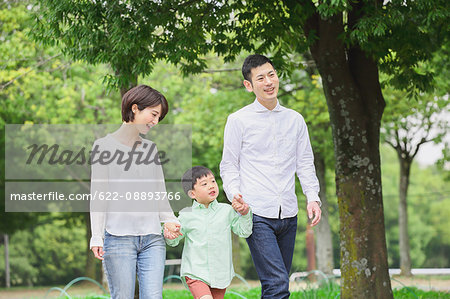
(251,62)
(143,96)
(191,176)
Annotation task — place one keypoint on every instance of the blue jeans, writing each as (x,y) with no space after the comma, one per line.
(272,247)
(127,255)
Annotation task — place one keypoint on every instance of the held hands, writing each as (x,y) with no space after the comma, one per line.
(98,252)
(313,209)
(172,230)
(239,205)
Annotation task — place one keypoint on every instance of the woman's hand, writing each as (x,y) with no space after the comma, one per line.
(98,252)
(172,230)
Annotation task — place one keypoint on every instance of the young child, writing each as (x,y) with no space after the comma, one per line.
(206,265)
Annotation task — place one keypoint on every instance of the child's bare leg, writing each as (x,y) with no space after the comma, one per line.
(218,293)
(206,297)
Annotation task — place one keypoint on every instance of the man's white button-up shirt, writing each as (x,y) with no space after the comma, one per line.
(263,150)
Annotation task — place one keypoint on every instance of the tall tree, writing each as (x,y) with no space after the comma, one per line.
(348,41)
(406,127)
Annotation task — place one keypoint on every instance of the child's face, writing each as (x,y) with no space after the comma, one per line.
(205,190)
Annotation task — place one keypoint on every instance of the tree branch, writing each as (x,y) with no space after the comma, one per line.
(29,71)
(422,141)
(390,143)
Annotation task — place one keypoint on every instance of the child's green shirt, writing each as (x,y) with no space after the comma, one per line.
(207,252)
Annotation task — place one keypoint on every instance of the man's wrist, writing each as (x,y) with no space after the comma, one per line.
(312,197)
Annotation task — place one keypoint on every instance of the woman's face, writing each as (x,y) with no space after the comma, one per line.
(147,118)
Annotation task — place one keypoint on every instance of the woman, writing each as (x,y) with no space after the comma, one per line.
(129,242)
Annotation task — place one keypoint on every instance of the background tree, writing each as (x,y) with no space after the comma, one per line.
(428,202)
(406,127)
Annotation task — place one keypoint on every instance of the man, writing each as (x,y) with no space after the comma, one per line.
(265,144)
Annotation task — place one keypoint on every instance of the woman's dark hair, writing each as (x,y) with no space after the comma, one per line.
(191,176)
(143,96)
(251,62)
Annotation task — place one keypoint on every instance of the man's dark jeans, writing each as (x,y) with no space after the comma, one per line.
(272,247)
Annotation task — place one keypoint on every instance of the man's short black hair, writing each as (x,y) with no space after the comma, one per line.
(251,62)
(191,176)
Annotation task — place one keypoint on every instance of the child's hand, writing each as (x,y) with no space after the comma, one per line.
(239,205)
(172,230)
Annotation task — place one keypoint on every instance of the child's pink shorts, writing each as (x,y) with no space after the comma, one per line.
(198,289)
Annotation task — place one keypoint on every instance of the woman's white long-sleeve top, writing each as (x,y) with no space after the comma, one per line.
(112,181)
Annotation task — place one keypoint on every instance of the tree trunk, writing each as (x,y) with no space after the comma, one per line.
(310,248)
(405,259)
(355,104)
(7,272)
(324,244)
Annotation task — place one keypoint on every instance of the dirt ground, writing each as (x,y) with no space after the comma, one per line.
(435,283)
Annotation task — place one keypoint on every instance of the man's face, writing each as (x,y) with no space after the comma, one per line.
(264,83)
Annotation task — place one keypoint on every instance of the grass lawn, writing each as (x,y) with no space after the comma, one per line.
(322,293)
(416,289)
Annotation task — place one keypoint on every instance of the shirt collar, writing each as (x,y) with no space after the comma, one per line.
(212,205)
(260,108)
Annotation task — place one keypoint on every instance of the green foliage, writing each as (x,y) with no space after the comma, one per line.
(39,85)
(133,35)
(404,34)
(48,254)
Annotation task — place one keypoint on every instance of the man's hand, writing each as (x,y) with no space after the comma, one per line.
(172,230)
(239,205)
(98,252)
(313,209)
